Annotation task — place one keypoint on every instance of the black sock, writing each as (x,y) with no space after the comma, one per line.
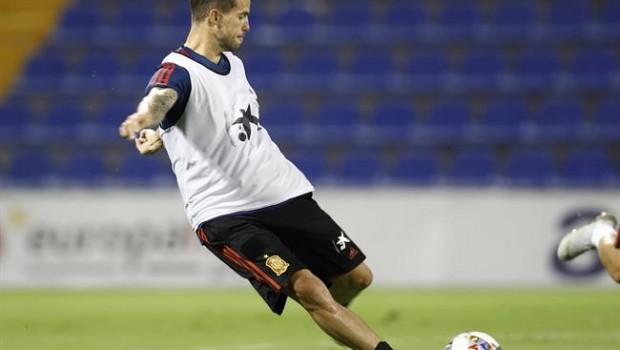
(383,346)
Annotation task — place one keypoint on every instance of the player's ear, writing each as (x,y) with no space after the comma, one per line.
(214,17)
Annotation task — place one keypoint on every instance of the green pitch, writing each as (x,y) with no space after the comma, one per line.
(558,319)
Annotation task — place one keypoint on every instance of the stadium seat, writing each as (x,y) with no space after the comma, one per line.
(560,120)
(47,66)
(610,19)
(296,19)
(264,70)
(587,167)
(537,69)
(135,17)
(284,121)
(349,15)
(392,121)
(529,168)
(83,169)
(400,16)
(483,70)
(312,163)
(428,71)
(415,168)
(31,168)
(459,20)
(336,122)
(100,64)
(472,167)
(372,70)
(594,68)
(136,169)
(606,122)
(361,167)
(448,122)
(568,19)
(513,21)
(504,121)
(315,70)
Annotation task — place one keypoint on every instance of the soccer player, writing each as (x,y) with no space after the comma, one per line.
(247,203)
(601,234)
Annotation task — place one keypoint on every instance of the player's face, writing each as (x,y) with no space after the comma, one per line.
(234,25)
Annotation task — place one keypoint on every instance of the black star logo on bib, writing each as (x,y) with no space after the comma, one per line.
(246,120)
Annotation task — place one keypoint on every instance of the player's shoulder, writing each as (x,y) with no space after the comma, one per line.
(232,58)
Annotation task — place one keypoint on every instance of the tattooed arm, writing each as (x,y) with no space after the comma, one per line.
(151,111)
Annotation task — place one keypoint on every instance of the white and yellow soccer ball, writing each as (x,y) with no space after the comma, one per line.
(473,341)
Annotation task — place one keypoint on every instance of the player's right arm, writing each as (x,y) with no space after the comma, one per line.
(167,94)
(151,111)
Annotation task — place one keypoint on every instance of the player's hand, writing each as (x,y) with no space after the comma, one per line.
(130,128)
(148,142)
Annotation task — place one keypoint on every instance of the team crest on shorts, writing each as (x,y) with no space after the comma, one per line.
(277,264)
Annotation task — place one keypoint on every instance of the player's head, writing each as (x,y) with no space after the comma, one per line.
(227,20)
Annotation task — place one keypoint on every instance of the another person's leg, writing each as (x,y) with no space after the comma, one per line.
(600,234)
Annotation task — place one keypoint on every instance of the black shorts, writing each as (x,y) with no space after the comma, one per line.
(267,246)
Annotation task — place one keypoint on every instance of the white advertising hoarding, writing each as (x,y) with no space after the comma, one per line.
(412,237)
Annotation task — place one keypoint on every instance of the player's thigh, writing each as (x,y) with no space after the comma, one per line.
(314,237)
(251,250)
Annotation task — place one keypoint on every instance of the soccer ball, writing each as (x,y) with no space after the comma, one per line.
(473,341)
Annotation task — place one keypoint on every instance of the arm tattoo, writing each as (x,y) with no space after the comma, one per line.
(157,103)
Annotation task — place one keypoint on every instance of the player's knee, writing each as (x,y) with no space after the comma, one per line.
(309,291)
(362,278)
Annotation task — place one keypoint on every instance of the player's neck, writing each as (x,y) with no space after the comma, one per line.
(199,42)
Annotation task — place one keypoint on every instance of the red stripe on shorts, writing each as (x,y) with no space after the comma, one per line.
(251,267)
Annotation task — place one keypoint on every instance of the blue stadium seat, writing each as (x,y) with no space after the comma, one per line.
(415,168)
(514,20)
(459,19)
(529,168)
(472,167)
(372,69)
(537,69)
(361,167)
(594,68)
(606,123)
(483,70)
(312,163)
(296,19)
(560,120)
(136,169)
(316,69)
(587,167)
(181,17)
(401,16)
(393,121)
(31,168)
(100,64)
(263,70)
(569,19)
(47,66)
(83,169)
(337,121)
(14,118)
(349,15)
(504,120)
(284,121)
(64,121)
(610,19)
(428,71)
(449,121)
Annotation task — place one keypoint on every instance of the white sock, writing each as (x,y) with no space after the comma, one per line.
(603,231)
